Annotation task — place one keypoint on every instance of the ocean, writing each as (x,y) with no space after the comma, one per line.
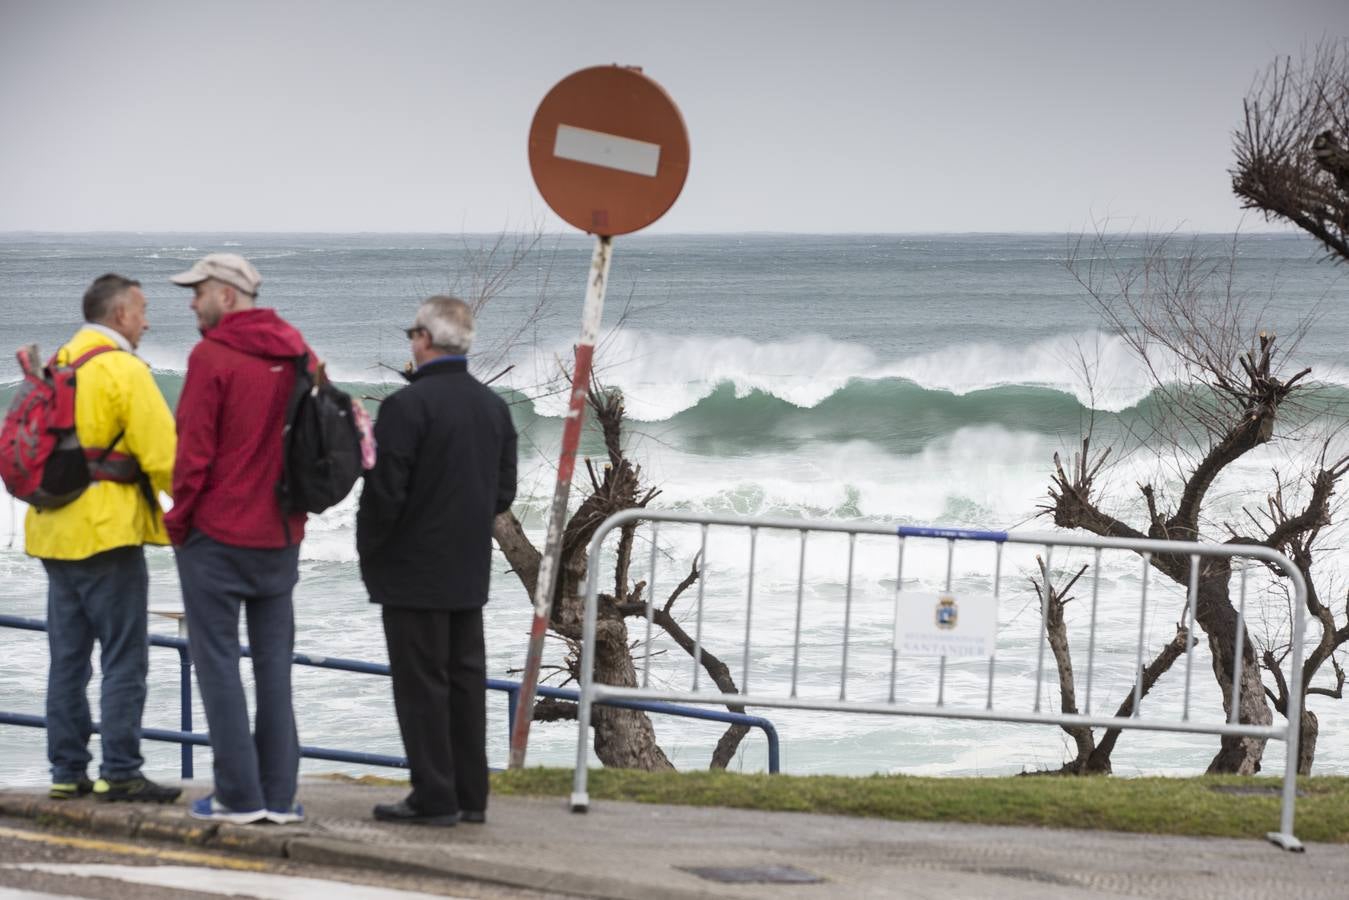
(878,378)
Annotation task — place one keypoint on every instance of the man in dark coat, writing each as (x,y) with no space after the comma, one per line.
(445,468)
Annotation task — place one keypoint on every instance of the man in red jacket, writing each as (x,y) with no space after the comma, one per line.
(233,544)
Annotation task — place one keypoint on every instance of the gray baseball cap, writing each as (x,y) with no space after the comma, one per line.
(230,268)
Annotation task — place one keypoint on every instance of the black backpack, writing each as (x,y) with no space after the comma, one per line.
(320,443)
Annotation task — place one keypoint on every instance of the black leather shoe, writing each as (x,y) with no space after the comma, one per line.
(404,812)
(473,816)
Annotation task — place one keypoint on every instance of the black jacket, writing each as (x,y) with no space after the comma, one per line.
(445,467)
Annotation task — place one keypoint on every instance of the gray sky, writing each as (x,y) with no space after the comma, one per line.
(809,116)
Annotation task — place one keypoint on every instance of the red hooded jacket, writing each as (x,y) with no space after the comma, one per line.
(230,418)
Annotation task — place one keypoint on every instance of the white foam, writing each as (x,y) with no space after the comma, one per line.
(173,359)
(1102,371)
(11,524)
(164,359)
(662,375)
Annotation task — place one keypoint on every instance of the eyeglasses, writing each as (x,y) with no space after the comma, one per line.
(414,331)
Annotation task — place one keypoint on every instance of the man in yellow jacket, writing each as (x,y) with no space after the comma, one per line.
(97,582)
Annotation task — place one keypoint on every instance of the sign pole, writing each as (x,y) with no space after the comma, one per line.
(609,153)
(557,514)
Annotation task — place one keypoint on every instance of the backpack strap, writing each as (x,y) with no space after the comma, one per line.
(303,382)
(104,463)
(83,357)
(98,457)
(91,353)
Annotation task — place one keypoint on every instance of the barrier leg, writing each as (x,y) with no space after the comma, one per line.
(1284,836)
(580,800)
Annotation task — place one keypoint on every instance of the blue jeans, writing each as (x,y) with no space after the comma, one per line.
(100,598)
(258,770)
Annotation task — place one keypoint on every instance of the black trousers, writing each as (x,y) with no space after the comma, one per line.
(439,668)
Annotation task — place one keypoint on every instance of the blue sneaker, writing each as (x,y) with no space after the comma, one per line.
(286,816)
(211,810)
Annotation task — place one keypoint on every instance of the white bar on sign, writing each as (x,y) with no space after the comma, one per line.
(607,150)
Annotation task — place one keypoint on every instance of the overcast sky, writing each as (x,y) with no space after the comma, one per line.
(833,116)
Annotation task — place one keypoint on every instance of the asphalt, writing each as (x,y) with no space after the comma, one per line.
(631,850)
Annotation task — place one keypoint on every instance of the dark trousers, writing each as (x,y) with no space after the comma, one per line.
(100,598)
(439,668)
(254,771)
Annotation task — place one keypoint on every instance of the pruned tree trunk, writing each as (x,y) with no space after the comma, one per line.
(1092,758)
(624,738)
(1216,615)
(1100,757)
(1306,743)
(1240,755)
(1052,600)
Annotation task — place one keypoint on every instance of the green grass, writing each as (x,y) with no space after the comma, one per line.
(1205,806)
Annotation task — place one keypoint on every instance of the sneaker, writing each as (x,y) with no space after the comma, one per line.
(134,790)
(212,810)
(70,790)
(286,816)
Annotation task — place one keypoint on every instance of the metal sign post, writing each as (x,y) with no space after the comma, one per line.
(609,153)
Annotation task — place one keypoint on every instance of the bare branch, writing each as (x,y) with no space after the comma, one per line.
(1291,157)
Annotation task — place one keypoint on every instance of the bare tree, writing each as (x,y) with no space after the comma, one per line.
(1292,153)
(1226,385)
(623,738)
(1299,537)
(1092,757)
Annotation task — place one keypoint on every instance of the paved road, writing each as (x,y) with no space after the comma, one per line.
(628,850)
(42,864)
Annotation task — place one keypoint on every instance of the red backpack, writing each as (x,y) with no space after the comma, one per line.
(41,460)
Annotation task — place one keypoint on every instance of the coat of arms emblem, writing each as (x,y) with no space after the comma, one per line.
(946,612)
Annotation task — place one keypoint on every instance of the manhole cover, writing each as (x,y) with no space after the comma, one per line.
(1022,873)
(753,874)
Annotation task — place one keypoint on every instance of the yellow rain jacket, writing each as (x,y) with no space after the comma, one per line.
(113,391)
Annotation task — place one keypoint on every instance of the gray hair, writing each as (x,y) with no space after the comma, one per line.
(449,321)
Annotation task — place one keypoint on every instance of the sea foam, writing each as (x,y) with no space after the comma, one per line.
(662,375)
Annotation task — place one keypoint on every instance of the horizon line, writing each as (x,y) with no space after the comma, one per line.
(560,233)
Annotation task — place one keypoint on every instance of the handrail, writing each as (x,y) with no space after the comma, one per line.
(188,738)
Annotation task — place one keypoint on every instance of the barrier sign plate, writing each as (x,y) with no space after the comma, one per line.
(941,624)
(608,150)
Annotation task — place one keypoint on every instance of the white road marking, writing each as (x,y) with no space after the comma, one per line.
(608,150)
(259,885)
(16,894)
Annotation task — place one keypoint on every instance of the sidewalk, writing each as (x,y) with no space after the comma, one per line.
(630,850)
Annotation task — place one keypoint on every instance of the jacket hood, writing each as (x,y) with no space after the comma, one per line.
(258,332)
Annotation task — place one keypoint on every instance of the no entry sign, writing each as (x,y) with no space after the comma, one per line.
(608,150)
(609,153)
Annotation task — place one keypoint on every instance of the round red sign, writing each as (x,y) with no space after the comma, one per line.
(609,150)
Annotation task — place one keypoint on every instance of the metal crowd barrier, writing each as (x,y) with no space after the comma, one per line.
(189,739)
(593,692)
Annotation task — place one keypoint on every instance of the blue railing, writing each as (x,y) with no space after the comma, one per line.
(188,739)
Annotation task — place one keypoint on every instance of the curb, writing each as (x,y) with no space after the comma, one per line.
(301,844)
